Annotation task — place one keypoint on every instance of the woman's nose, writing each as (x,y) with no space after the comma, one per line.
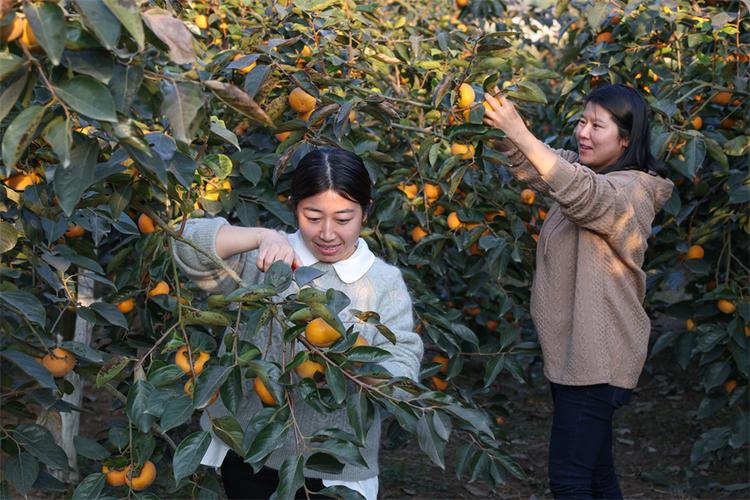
(582,130)
(326,231)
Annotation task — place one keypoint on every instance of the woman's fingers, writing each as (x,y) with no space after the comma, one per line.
(267,256)
(492,101)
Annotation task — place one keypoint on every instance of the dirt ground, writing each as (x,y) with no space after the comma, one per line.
(651,449)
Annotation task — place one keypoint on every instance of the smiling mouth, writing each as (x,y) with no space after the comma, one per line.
(328,249)
(583,147)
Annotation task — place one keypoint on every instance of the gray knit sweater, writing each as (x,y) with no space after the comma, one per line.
(381,289)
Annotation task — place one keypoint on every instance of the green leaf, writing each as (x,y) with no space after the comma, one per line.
(255,425)
(32,368)
(88,97)
(126,11)
(188,455)
(368,354)
(596,14)
(20,133)
(530,92)
(137,404)
(695,153)
(256,78)
(47,21)
(429,442)
(219,130)
(21,471)
(511,466)
(220,164)
(91,487)
(304,275)
(111,369)
(57,134)
(11,94)
(291,478)
(279,276)
(9,63)
(361,413)
(229,430)
(180,106)
(89,448)
(324,462)
(177,411)
(336,383)
(100,21)
(165,375)
(343,450)
(208,383)
(72,182)
(492,369)
(738,146)
(38,441)
(97,64)
(270,438)
(26,304)
(716,374)
(475,418)
(110,313)
(231,391)
(124,85)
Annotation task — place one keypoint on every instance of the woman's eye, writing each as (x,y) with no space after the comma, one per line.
(313,219)
(342,221)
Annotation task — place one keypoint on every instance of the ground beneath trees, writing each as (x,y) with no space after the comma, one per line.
(653,439)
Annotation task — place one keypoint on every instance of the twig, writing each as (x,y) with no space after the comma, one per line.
(161,339)
(419,130)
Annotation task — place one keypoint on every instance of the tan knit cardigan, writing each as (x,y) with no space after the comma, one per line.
(588,290)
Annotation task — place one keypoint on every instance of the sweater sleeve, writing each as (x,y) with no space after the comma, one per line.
(522,169)
(396,313)
(605,204)
(200,269)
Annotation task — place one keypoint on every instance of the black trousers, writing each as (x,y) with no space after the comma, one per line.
(580,450)
(240,482)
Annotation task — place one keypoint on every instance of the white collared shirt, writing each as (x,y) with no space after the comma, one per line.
(348,270)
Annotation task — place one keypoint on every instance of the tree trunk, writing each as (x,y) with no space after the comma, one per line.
(64,427)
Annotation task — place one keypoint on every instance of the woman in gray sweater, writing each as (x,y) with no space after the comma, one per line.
(331,197)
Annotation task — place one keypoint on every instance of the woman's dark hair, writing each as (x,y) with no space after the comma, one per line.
(332,169)
(630,112)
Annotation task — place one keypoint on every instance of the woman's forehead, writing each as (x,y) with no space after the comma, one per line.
(328,201)
(595,112)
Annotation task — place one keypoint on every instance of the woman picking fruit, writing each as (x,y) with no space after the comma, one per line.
(589,286)
(331,197)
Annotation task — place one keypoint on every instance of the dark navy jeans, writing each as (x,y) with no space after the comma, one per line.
(580,449)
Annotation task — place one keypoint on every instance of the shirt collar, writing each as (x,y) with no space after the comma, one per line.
(348,270)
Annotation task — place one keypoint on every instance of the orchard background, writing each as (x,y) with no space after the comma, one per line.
(121,120)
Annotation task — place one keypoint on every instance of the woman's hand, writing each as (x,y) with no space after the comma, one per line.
(274,246)
(500,113)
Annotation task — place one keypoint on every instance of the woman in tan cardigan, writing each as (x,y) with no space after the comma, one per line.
(589,286)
